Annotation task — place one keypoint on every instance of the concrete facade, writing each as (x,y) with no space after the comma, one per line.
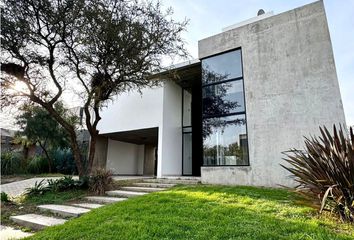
(291,89)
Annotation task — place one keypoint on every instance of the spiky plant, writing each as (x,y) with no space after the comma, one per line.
(325,171)
(100,181)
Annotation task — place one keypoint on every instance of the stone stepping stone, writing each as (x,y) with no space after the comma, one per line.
(101,199)
(143,189)
(88,205)
(173,181)
(35,221)
(126,194)
(7,233)
(154,185)
(63,210)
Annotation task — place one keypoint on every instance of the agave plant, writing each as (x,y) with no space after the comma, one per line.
(325,171)
(38,189)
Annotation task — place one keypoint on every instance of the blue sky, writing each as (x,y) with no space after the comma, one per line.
(208,17)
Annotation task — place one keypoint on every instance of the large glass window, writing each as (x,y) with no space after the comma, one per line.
(222,67)
(223,98)
(224,114)
(225,141)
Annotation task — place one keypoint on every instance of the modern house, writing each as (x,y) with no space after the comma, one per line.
(257,88)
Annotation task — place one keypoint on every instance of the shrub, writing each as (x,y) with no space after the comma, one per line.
(66,183)
(100,181)
(11,163)
(37,165)
(38,189)
(325,170)
(4,197)
(64,161)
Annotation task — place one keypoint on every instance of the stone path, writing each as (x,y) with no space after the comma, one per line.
(62,212)
(17,188)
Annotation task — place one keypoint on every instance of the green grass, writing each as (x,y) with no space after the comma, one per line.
(204,212)
(28,204)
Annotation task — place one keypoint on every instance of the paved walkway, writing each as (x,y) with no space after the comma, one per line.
(17,188)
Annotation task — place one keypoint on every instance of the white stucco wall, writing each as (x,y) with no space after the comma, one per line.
(132,110)
(171,134)
(158,107)
(125,158)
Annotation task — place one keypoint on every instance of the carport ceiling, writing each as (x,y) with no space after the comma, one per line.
(141,136)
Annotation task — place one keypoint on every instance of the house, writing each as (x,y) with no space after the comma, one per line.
(257,88)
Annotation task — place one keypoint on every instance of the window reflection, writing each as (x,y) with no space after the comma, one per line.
(224,98)
(224,120)
(222,67)
(225,141)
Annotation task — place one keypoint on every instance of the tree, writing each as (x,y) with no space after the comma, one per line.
(40,128)
(98,48)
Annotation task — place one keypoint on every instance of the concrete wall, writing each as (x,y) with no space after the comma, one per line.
(125,158)
(149,160)
(291,88)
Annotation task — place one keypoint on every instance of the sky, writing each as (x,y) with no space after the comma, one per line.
(208,17)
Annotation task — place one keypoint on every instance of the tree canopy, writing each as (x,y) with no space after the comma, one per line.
(40,128)
(94,49)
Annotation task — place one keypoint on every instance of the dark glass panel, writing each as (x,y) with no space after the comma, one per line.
(187,108)
(222,67)
(187,154)
(224,98)
(225,141)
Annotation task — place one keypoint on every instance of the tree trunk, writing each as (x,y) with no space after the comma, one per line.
(92,151)
(50,161)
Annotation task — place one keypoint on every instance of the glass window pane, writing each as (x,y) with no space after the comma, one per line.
(187,154)
(187,108)
(222,67)
(224,98)
(225,141)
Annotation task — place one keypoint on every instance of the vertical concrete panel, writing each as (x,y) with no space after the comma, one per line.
(123,158)
(149,162)
(291,89)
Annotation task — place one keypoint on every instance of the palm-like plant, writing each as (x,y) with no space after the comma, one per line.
(325,170)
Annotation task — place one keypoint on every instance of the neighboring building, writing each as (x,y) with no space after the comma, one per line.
(7,136)
(258,88)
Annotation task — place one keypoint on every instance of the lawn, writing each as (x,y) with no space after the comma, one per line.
(204,212)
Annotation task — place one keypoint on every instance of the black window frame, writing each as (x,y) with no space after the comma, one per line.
(230,114)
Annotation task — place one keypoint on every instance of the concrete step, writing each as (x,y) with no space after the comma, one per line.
(173,181)
(63,210)
(88,205)
(154,185)
(127,194)
(35,221)
(142,189)
(10,233)
(102,199)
